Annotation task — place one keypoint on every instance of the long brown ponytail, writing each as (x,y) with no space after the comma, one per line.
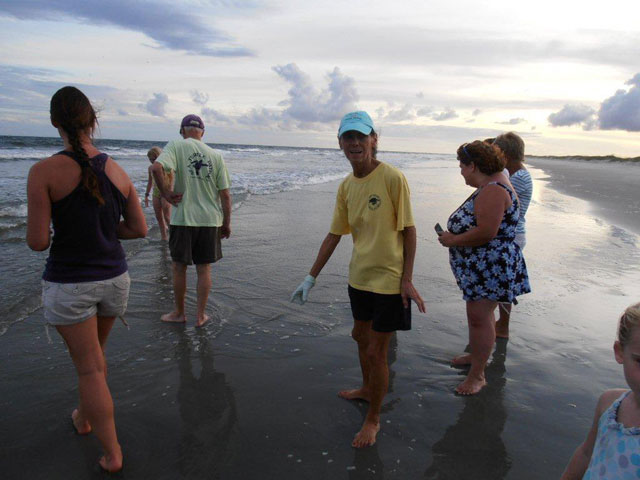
(71,110)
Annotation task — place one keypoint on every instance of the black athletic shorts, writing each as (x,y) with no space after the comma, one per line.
(385,311)
(197,245)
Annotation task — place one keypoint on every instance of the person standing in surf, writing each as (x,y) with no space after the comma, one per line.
(202,215)
(512,147)
(373,205)
(85,283)
(161,207)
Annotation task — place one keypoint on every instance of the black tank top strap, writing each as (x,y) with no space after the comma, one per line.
(97,163)
(70,155)
(506,187)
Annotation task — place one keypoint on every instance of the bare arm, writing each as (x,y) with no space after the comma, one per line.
(489,208)
(579,462)
(134,224)
(149,185)
(225,199)
(38,208)
(327,247)
(407,290)
(165,190)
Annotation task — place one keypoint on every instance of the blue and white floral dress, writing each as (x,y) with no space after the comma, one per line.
(496,270)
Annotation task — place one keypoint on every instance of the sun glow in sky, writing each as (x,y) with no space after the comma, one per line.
(433,74)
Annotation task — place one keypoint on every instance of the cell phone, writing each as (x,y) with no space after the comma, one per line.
(438,229)
(406,318)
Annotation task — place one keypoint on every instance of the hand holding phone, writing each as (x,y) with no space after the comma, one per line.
(438,229)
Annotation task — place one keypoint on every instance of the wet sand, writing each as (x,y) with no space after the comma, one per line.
(611,187)
(254,393)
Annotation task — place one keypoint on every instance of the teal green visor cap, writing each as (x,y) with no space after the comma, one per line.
(359,121)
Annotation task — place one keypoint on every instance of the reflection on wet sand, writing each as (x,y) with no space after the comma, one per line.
(367,463)
(207,409)
(473,446)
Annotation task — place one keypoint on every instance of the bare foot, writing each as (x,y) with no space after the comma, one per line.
(356,394)
(471,386)
(464,359)
(201,321)
(112,462)
(367,435)
(173,317)
(82,426)
(502,329)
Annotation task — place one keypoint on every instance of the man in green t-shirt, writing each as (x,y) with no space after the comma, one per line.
(202,215)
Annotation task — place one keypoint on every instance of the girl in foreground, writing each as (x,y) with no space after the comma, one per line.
(161,207)
(612,447)
(86,283)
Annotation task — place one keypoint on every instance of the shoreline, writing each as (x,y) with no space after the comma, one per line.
(611,188)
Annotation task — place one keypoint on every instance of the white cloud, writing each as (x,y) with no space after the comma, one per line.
(213,116)
(514,121)
(447,114)
(306,106)
(572,114)
(401,114)
(157,105)
(424,111)
(199,97)
(622,110)
(261,117)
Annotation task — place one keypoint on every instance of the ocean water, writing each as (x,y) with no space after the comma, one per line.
(255,170)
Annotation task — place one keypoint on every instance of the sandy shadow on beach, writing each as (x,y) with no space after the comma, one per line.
(473,446)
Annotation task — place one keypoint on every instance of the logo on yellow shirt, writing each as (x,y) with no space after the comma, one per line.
(374,201)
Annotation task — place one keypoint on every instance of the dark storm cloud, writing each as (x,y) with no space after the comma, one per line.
(169,24)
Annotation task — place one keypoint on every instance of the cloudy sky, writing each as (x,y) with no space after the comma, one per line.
(433,74)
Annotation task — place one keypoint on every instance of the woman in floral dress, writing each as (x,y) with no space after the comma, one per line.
(486,262)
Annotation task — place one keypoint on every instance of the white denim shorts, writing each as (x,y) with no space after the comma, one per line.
(70,303)
(520,240)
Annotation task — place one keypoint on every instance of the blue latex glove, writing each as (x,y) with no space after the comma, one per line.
(301,293)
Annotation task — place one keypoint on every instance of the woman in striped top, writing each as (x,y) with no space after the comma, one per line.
(512,147)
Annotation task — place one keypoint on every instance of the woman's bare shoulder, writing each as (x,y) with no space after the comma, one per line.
(51,164)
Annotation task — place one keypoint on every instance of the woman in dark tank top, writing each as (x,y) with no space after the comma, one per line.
(92,203)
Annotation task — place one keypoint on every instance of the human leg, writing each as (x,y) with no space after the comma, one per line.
(203,272)
(96,404)
(361,334)
(160,218)
(179,271)
(482,336)
(79,418)
(376,353)
(502,325)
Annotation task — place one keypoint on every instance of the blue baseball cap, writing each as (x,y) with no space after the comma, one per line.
(359,121)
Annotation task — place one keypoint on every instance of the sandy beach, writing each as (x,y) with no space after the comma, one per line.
(253,395)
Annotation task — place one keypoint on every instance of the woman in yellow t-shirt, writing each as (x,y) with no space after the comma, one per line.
(161,207)
(373,206)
